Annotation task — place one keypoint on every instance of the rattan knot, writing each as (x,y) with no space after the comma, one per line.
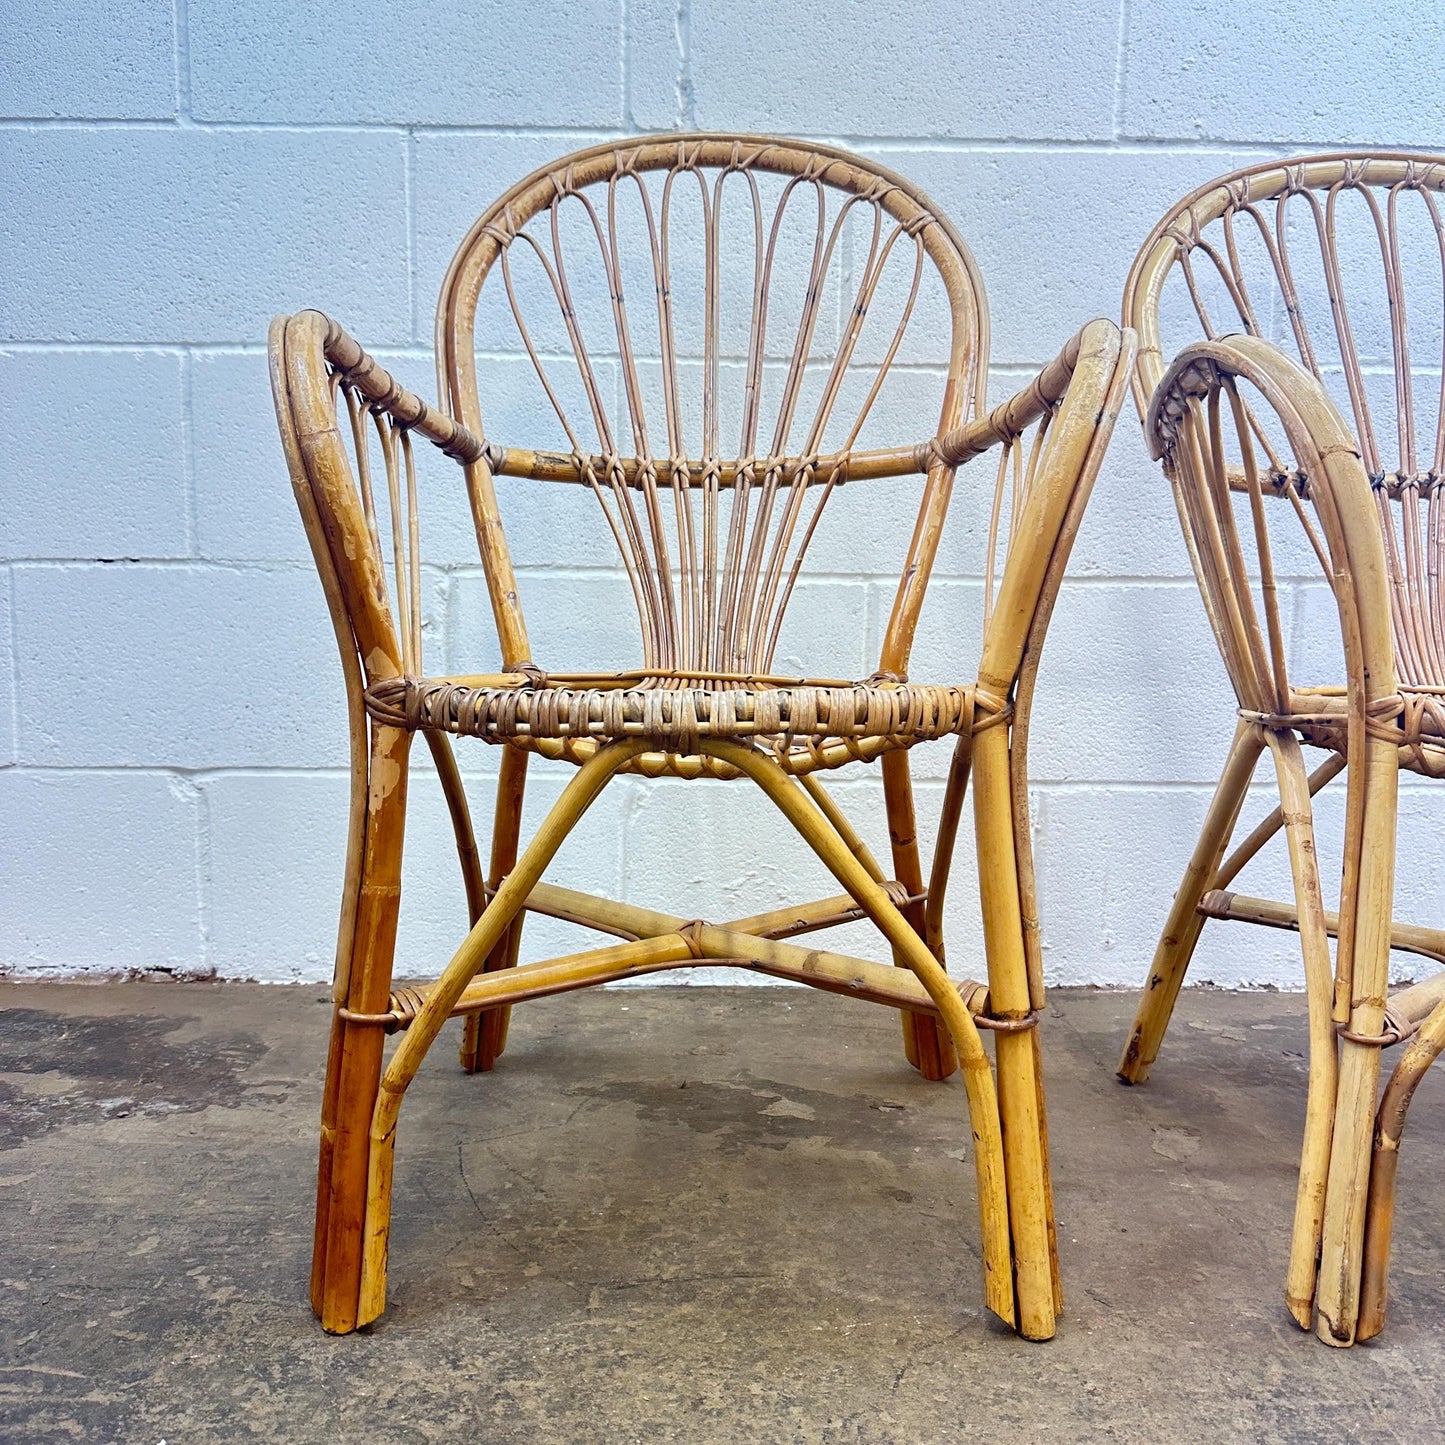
(503,230)
(1019,1025)
(897,893)
(1394,1029)
(995,710)
(691,934)
(406,1004)
(1412,721)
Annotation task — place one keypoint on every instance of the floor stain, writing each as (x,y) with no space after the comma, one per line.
(752,1113)
(63,1069)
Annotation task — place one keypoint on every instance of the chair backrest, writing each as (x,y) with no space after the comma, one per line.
(718,325)
(1339,261)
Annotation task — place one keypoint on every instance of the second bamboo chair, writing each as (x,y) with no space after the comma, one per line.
(784,332)
(1319,420)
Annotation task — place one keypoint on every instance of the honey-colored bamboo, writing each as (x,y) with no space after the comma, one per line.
(658,941)
(1407,937)
(712,545)
(1251,440)
(1421,1052)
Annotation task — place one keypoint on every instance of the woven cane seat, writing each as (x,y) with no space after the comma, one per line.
(807,724)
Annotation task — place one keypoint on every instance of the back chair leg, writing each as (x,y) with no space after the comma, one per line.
(353,1066)
(1181,931)
(1342,1247)
(926,1042)
(1297,811)
(484,1035)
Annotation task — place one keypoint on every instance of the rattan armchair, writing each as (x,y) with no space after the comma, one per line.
(1319,420)
(712,535)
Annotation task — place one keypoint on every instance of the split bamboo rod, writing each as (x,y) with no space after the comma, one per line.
(803,917)
(629,920)
(1230,869)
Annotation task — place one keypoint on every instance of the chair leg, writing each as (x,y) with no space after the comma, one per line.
(1420,1053)
(1296,808)
(353,1068)
(1337,1301)
(993,1195)
(1020,1091)
(1181,931)
(484,1035)
(466,963)
(926,1042)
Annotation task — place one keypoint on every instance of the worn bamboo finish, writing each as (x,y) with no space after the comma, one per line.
(712,539)
(1346,444)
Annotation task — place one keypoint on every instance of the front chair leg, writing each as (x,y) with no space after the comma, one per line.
(466,963)
(1420,1053)
(353,1065)
(1337,1299)
(1036,1320)
(1020,1069)
(1296,809)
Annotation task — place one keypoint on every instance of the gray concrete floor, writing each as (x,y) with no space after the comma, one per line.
(677,1214)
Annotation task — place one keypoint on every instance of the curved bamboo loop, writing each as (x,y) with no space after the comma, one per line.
(1421,1052)
(467,962)
(1034,1317)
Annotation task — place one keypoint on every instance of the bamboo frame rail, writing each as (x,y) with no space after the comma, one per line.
(675,942)
(1336,443)
(712,539)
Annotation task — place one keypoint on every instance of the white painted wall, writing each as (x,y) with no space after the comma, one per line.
(170,786)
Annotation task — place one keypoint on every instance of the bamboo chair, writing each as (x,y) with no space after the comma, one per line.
(1340,259)
(712,543)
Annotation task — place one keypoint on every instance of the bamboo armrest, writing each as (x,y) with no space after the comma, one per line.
(387,394)
(1010,418)
(1200,384)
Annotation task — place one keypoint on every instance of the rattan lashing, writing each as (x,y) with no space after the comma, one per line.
(712,536)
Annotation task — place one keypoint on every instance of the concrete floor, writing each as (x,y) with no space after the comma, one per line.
(681,1214)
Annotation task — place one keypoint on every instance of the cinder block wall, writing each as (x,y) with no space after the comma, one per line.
(173,175)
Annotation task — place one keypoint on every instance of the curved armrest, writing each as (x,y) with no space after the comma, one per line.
(313,362)
(1184,428)
(1077,396)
